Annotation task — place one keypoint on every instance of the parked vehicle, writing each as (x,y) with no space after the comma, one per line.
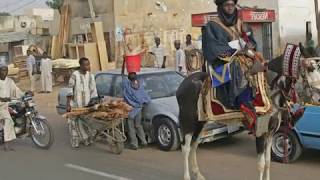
(160,117)
(304,135)
(28,122)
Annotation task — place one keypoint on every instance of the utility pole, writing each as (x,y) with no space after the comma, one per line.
(92,13)
(316,4)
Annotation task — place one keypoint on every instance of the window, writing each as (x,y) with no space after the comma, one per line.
(104,84)
(162,85)
(117,88)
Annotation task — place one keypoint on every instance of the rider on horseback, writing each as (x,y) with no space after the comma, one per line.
(225,41)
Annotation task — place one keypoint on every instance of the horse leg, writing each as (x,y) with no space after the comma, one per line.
(268,156)
(193,161)
(260,146)
(186,151)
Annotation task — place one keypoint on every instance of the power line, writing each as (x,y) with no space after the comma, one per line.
(6,5)
(23,6)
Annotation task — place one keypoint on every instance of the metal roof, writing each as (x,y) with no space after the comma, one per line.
(13,37)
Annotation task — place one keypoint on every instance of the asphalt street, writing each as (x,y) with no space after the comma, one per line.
(229,159)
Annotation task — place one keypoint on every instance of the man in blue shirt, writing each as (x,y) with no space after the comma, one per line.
(136,96)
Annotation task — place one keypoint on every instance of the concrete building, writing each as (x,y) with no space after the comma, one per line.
(144,17)
(32,28)
(171,20)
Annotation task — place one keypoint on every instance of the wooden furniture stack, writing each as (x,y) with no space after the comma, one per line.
(20,60)
(89,50)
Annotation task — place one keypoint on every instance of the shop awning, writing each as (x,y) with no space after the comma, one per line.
(13,36)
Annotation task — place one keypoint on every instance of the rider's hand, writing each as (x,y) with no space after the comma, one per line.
(30,93)
(68,108)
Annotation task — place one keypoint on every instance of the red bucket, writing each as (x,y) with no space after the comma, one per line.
(133,63)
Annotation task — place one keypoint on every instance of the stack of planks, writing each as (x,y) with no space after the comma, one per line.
(98,37)
(58,48)
(108,110)
(20,62)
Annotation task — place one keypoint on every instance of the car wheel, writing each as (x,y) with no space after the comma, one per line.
(166,134)
(293,145)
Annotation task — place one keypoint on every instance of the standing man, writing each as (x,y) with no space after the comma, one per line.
(180,58)
(84,88)
(31,67)
(136,96)
(189,45)
(46,74)
(160,53)
(8,90)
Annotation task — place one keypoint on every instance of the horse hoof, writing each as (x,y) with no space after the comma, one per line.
(200,177)
(186,178)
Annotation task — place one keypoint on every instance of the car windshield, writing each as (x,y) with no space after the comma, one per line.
(160,85)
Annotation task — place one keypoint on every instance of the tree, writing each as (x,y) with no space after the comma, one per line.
(5,14)
(55,4)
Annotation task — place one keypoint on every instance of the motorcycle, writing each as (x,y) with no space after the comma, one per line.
(28,122)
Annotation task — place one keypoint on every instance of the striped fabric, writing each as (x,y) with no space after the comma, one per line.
(291,61)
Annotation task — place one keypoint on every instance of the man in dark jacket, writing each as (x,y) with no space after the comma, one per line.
(222,40)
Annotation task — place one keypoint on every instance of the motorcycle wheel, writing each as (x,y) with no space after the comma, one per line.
(44,139)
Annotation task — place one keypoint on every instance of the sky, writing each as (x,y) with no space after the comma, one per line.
(19,6)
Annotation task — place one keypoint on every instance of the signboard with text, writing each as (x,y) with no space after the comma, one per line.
(247,15)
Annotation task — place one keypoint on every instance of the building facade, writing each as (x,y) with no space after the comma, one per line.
(171,20)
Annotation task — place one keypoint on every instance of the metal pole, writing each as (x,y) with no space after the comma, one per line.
(92,13)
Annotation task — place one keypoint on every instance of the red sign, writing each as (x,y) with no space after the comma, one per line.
(247,15)
(199,20)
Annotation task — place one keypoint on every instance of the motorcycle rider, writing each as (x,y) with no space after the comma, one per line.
(8,90)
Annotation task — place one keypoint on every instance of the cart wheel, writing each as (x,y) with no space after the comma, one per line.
(117,147)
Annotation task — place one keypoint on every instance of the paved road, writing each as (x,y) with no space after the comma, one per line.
(230,159)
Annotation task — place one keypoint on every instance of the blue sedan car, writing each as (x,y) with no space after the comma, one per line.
(304,135)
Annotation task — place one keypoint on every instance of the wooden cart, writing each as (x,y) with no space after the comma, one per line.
(107,131)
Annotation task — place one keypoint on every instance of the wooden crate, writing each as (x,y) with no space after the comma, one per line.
(88,50)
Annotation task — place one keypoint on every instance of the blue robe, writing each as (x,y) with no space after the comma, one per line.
(215,43)
(136,98)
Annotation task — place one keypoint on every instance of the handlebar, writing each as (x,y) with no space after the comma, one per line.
(26,97)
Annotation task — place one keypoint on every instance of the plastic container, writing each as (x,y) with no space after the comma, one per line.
(133,63)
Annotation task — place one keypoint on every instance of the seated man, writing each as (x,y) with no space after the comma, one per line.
(224,38)
(8,90)
(313,78)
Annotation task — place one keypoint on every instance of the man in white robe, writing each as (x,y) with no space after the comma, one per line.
(46,74)
(8,90)
(313,78)
(31,67)
(83,87)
